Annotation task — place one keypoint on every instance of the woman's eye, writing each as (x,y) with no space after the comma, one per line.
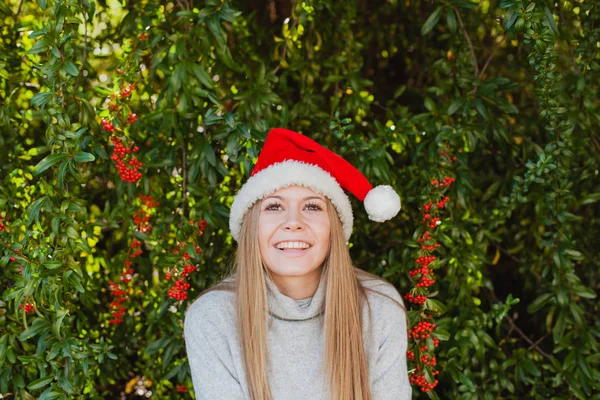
(275,206)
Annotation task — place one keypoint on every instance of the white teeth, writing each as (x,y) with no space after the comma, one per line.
(293,245)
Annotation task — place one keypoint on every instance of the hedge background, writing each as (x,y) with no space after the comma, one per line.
(507,90)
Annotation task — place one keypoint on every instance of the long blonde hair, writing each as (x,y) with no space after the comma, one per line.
(345,363)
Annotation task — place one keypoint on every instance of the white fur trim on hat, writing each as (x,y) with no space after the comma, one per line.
(382,203)
(284,174)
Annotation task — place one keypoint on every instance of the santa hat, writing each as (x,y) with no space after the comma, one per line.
(290,158)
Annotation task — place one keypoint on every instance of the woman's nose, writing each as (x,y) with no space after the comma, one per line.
(294,221)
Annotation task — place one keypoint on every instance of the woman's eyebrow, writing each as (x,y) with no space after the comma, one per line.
(306,198)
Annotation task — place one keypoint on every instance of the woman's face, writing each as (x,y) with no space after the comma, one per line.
(293,217)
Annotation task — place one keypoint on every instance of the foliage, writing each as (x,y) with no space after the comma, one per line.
(128,127)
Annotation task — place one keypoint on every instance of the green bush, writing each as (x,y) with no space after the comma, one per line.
(128,127)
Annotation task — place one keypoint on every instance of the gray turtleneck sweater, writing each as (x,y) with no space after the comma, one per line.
(296,343)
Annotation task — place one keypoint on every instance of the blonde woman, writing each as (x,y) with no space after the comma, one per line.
(296,319)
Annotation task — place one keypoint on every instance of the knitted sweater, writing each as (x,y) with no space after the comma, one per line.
(296,345)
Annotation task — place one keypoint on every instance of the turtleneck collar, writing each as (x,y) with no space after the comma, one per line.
(286,308)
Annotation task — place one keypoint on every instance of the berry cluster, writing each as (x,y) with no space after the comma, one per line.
(126,90)
(447,181)
(140,218)
(425,347)
(201,226)
(127,169)
(425,359)
(132,118)
(450,158)
(418,378)
(12,258)
(425,281)
(28,307)
(135,250)
(127,164)
(421,331)
(420,353)
(107,126)
(142,214)
(179,291)
(119,297)
(180,271)
(2,226)
(433,223)
(144,36)
(442,203)
(127,275)
(181,389)
(415,299)
(423,272)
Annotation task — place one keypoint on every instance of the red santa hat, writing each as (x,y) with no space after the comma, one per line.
(290,158)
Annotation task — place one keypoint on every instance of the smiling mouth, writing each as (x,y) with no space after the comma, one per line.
(293,250)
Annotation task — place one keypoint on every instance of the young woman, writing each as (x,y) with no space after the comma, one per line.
(296,319)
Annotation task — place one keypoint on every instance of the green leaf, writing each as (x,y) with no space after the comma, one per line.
(559,326)
(173,372)
(84,157)
(72,233)
(154,347)
(186,14)
(455,105)
(540,302)
(551,20)
(530,367)
(48,162)
(209,154)
(70,68)
(3,346)
(56,348)
(62,170)
(430,105)
(510,20)
(33,210)
(53,264)
(441,334)
(591,198)
(213,98)
(55,51)
(585,292)
(38,325)
(480,107)
(230,120)
(41,99)
(451,20)
(467,382)
(40,383)
(39,46)
(66,385)
(202,76)
(38,33)
(75,282)
(431,21)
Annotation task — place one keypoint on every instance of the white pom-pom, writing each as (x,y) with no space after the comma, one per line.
(382,203)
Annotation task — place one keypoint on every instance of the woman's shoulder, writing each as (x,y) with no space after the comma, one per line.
(378,288)
(213,306)
(383,299)
(384,306)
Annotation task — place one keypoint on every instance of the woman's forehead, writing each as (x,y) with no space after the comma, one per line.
(295,191)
